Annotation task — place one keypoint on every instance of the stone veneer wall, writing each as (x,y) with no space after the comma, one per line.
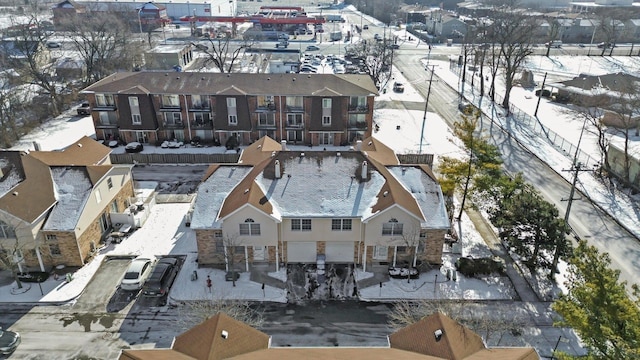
(206,242)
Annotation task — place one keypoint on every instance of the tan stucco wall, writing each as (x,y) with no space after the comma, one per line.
(373,228)
(268,228)
(321,231)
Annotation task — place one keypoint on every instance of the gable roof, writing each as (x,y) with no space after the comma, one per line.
(414,342)
(85,151)
(259,151)
(377,150)
(158,82)
(456,342)
(206,341)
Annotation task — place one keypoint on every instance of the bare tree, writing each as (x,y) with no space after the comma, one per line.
(104,44)
(376,57)
(513,32)
(590,112)
(610,28)
(220,54)
(552,34)
(12,246)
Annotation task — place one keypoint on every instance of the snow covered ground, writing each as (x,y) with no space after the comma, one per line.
(400,129)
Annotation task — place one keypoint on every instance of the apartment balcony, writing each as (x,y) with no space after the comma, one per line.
(266,126)
(294,125)
(204,107)
(202,125)
(357,125)
(164,107)
(111,123)
(291,108)
(176,125)
(266,107)
(358,108)
(105,107)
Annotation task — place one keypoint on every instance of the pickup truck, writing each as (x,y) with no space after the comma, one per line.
(84,109)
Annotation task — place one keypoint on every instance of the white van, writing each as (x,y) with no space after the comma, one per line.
(555,44)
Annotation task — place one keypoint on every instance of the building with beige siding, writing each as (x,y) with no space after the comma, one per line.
(55,205)
(277,206)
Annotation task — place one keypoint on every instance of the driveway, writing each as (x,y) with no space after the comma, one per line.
(100,289)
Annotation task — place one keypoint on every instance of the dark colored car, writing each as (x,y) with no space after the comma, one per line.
(133,147)
(9,341)
(366,27)
(545,92)
(161,278)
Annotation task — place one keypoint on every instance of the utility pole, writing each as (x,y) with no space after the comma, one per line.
(576,168)
(535,114)
(426,105)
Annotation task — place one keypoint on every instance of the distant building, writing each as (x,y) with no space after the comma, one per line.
(68,69)
(169,57)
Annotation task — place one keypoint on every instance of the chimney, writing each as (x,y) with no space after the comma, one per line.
(277,166)
(359,145)
(36,146)
(363,174)
(284,145)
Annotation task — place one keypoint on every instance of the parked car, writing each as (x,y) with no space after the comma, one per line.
(605,45)
(9,341)
(365,27)
(133,147)
(53,45)
(545,92)
(84,109)
(377,36)
(394,46)
(398,87)
(162,276)
(312,48)
(136,274)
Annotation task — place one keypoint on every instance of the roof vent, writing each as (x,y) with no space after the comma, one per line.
(301,154)
(338,154)
(246,191)
(277,169)
(228,75)
(259,146)
(79,145)
(224,334)
(385,193)
(166,74)
(15,193)
(438,334)
(202,78)
(370,143)
(268,78)
(177,77)
(273,153)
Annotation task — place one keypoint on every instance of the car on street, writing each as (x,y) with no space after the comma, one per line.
(136,274)
(605,45)
(543,93)
(365,27)
(312,48)
(53,45)
(398,87)
(394,46)
(9,341)
(162,276)
(84,109)
(133,147)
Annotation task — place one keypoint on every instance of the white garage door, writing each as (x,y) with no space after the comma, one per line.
(339,252)
(304,252)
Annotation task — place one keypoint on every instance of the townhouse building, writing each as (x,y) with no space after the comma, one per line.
(55,205)
(311,109)
(278,206)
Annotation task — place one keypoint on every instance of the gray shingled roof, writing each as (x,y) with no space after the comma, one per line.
(159,82)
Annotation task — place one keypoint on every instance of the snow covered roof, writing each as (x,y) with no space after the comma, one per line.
(72,187)
(213,191)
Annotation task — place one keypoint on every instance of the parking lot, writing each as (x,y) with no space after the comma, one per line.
(103,293)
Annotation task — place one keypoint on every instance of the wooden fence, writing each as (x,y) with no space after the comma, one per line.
(184,158)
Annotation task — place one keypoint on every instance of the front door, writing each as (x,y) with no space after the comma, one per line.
(258,253)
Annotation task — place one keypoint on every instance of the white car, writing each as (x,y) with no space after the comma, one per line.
(136,274)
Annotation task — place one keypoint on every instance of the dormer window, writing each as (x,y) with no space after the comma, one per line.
(391,228)
(250,228)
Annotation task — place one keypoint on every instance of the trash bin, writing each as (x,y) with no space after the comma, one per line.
(194,275)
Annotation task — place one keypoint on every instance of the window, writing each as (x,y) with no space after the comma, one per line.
(294,101)
(341,224)
(114,206)
(238,249)
(200,101)
(294,119)
(250,228)
(357,102)
(392,228)
(265,100)
(170,101)
(173,118)
(266,119)
(380,252)
(54,249)
(300,224)
(325,138)
(201,118)
(104,118)
(219,245)
(98,196)
(326,103)
(326,120)
(104,100)
(6,231)
(134,106)
(231,102)
(109,183)
(233,120)
(51,237)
